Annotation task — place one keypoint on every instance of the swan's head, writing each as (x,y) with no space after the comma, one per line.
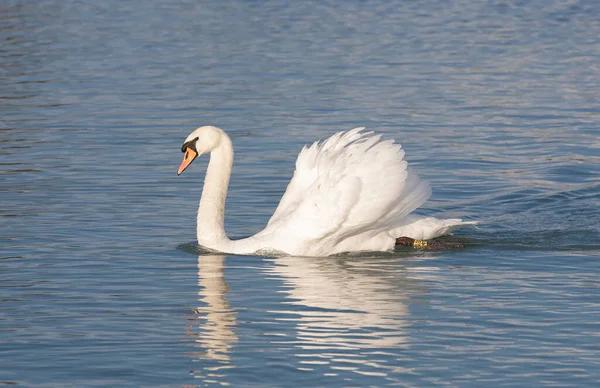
(202,140)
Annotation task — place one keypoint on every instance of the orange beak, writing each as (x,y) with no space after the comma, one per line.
(188,158)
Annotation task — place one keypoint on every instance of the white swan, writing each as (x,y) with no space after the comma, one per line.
(352,192)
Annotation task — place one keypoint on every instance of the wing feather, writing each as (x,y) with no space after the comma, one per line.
(350,184)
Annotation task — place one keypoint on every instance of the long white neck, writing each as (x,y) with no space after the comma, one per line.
(211,212)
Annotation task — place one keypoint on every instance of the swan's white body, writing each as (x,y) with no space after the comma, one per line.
(352,192)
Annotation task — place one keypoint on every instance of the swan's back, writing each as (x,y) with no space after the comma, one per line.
(348,193)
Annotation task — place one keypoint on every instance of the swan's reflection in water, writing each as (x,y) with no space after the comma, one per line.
(345,303)
(330,315)
(214,321)
(352,313)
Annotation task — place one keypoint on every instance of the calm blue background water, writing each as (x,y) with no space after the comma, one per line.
(496,103)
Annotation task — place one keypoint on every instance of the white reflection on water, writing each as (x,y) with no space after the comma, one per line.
(340,299)
(351,313)
(215,316)
(340,314)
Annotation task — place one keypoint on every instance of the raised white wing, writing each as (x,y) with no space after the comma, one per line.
(351,184)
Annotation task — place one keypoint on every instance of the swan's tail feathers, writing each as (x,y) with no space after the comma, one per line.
(427,228)
(448,226)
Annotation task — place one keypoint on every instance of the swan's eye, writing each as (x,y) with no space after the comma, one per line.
(189,144)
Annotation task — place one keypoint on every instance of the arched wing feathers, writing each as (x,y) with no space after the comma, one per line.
(352,183)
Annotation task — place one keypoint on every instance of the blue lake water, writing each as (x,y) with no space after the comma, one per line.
(496,103)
